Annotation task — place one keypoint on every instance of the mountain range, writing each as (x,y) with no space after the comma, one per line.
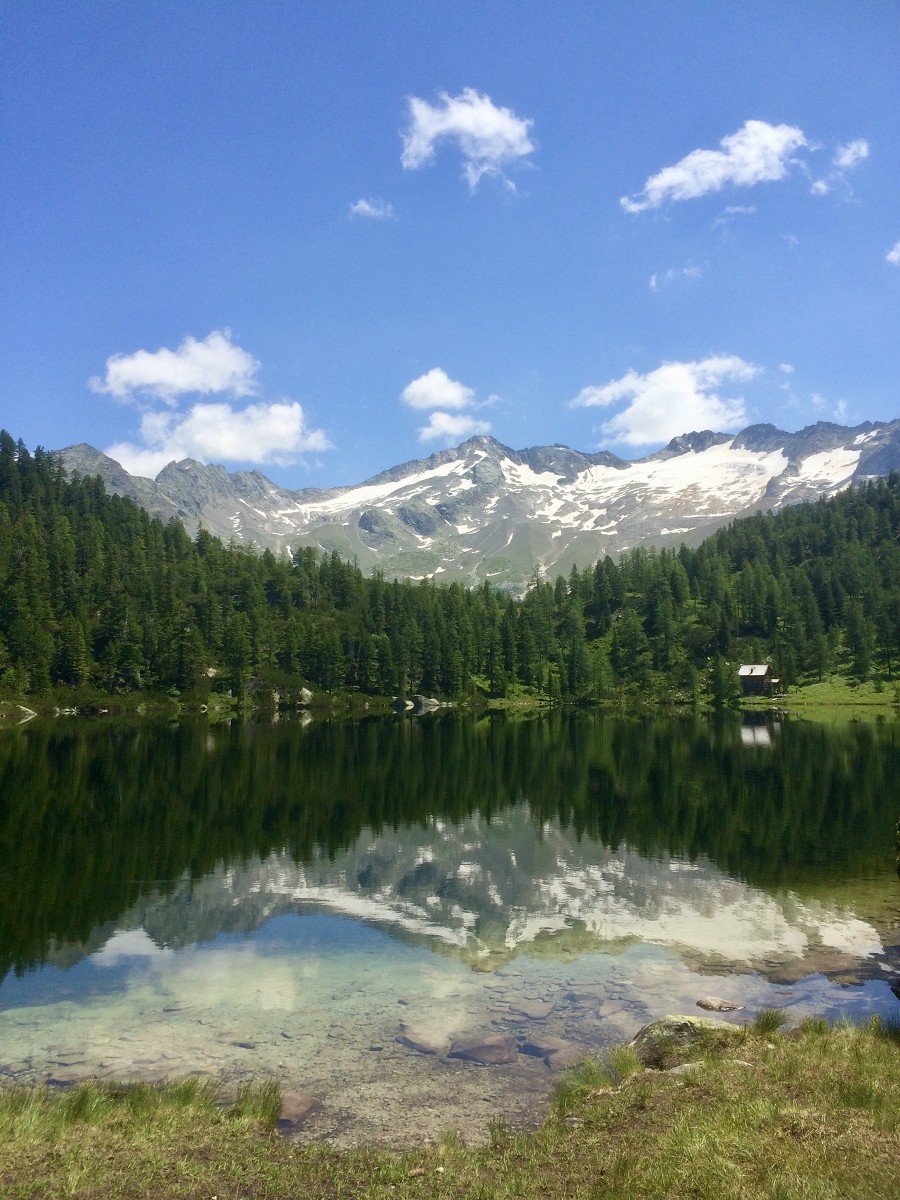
(483,511)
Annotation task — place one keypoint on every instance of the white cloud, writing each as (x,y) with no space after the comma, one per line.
(435,389)
(845,158)
(658,281)
(731,211)
(676,398)
(452,427)
(756,153)
(852,153)
(259,433)
(377,210)
(489,138)
(893,255)
(785,368)
(213,365)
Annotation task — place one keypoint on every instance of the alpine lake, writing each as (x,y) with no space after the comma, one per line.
(372,911)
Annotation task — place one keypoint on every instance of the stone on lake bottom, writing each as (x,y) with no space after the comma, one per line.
(534,1010)
(569,1056)
(540,1045)
(492,1050)
(296,1107)
(714,1004)
(424,1041)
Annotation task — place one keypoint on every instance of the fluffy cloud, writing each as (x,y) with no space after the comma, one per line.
(757,153)
(259,433)
(376,210)
(676,398)
(435,389)
(489,138)
(893,255)
(213,365)
(452,427)
(435,392)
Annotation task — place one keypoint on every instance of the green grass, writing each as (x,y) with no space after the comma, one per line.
(843,695)
(768,1020)
(807,1115)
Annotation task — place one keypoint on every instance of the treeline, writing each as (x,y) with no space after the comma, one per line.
(94,593)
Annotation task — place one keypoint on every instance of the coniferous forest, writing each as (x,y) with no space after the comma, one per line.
(97,595)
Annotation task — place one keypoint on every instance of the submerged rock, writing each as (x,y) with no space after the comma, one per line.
(491,1050)
(569,1056)
(663,1044)
(543,1044)
(534,1010)
(295,1108)
(424,1041)
(557,1053)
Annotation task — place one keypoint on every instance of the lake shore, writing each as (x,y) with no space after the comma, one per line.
(811,1112)
(834,697)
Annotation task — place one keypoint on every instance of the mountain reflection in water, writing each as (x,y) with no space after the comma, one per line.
(144,857)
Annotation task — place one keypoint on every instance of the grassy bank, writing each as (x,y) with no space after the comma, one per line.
(839,698)
(812,1113)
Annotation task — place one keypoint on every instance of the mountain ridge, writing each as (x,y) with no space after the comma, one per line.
(482,510)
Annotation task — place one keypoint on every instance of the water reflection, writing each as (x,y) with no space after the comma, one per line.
(292,901)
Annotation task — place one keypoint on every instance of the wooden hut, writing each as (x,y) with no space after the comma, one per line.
(757,679)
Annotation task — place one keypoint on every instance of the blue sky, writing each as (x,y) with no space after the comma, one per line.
(326,238)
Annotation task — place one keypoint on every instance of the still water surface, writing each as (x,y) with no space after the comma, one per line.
(314,902)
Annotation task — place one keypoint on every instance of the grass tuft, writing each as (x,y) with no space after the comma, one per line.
(579,1083)
(768,1020)
(814,1027)
(622,1061)
(258,1102)
(887,1028)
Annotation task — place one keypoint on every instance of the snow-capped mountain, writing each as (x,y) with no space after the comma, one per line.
(482,510)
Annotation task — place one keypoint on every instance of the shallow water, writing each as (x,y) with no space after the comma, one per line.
(336,893)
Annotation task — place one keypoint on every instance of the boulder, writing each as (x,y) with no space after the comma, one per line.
(491,1050)
(665,1043)
(714,1004)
